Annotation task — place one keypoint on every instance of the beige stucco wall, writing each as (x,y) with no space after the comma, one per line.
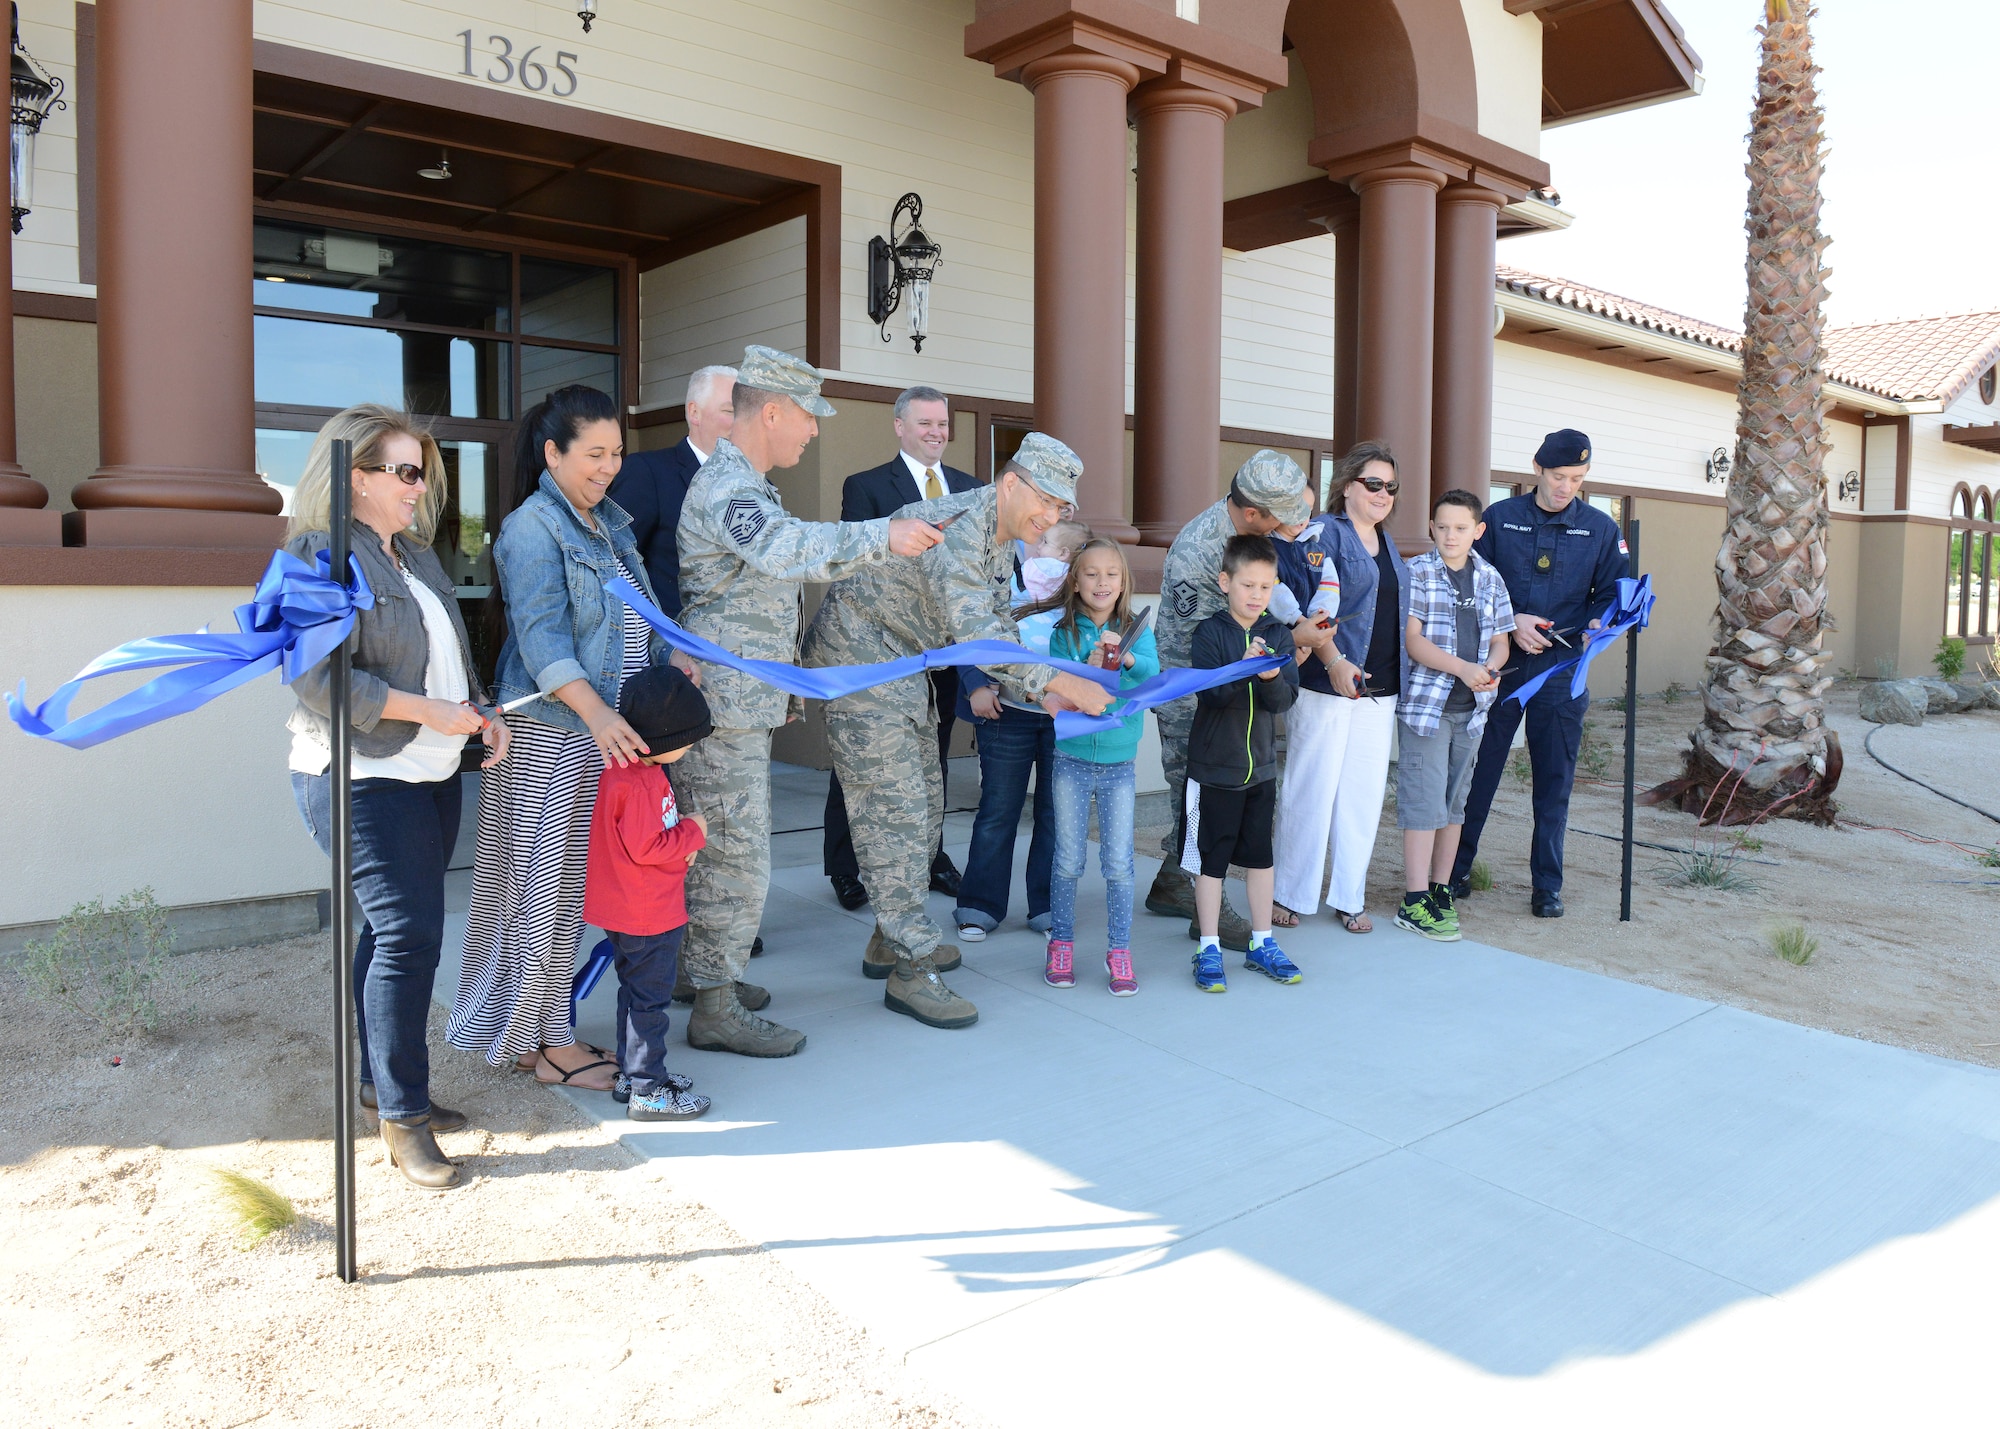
(1507,58)
(55,403)
(200,807)
(1901,614)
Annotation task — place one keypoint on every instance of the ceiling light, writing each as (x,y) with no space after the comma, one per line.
(440,170)
(273,278)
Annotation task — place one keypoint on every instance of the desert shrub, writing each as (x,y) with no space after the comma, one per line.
(1989,859)
(1709,867)
(1950,657)
(1593,755)
(104,962)
(1480,876)
(1674,693)
(258,1208)
(1746,843)
(1521,768)
(1792,943)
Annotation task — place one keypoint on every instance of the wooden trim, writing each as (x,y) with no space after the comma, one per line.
(1525,481)
(1985,439)
(86,145)
(1903,445)
(63,307)
(130,566)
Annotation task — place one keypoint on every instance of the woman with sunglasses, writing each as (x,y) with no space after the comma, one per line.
(1339,732)
(414,695)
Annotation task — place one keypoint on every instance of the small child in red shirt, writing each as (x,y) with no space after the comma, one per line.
(640,847)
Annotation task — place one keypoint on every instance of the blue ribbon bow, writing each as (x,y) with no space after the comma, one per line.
(832,681)
(1631,610)
(297,616)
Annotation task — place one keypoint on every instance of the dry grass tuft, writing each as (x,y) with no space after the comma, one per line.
(258,1208)
(1792,943)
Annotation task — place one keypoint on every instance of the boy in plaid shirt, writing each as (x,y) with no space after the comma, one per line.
(1455,643)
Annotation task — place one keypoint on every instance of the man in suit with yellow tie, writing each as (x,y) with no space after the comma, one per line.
(916,473)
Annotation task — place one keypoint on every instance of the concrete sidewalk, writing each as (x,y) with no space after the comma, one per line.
(1428,1180)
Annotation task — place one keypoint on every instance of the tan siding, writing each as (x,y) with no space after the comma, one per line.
(708,307)
(45,251)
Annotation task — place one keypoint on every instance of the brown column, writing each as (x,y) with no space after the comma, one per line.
(177,436)
(1080,178)
(1177,365)
(23,522)
(1396,312)
(1346,332)
(1462,395)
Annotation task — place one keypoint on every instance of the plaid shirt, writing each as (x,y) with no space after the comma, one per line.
(1434,601)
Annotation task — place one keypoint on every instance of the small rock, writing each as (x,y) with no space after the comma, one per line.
(1943,697)
(1892,702)
(1985,694)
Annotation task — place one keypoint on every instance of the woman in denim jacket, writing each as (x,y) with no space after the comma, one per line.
(414,692)
(572,643)
(1338,735)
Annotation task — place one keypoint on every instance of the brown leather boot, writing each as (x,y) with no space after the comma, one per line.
(414,1150)
(443,1118)
(878,959)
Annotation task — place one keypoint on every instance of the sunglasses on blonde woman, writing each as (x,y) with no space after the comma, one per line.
(409,474)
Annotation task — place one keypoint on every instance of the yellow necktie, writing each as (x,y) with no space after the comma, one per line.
(933,487)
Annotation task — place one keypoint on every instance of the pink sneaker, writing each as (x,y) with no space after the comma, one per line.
(1118,962)
(1060,971)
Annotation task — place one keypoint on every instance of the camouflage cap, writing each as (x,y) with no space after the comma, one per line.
(1273,481)
(1052,466)
(769,370)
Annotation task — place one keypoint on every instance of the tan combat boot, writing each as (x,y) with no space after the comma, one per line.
(1172,893)
(722,1024)
(878,959)
(753,997)
(916,990)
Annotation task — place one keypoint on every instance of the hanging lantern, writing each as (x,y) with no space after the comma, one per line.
(36,94)
(586,11)
(903,263)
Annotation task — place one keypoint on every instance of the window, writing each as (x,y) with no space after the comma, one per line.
(1972,581)
(1987,382)
(1612,506)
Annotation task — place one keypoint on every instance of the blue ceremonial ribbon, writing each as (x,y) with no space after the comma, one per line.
(830,682)
(297,616)
(1632,610)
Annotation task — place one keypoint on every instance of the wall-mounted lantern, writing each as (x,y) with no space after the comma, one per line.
(1716,468)
(586,11)
(899,263)
(1849,487)
(36,94)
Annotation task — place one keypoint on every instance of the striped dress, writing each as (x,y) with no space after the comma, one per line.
(526,916)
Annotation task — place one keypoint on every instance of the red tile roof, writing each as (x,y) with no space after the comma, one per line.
(1910,360)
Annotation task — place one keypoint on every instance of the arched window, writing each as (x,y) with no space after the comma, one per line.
(1972,582)
(1987,383)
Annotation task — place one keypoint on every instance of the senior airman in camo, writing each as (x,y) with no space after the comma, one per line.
(884,740)
(744,564)
(1267,494)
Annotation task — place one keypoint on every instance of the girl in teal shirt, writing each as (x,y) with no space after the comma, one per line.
(1083,621)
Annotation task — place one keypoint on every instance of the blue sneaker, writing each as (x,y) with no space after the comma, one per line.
(1269,959)
(1208,974)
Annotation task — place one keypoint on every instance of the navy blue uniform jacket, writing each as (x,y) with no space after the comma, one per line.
(650,488)
(1563,566)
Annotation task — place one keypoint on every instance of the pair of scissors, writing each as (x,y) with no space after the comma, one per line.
(488,714)
(1547,627)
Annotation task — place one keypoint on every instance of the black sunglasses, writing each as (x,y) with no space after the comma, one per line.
(1373,483)
(410,475)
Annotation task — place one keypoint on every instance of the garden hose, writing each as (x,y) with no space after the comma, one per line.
(1869,745)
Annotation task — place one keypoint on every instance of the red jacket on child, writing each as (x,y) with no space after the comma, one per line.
(639,850)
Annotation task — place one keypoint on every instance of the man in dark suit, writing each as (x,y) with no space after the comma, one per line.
(650,486)
(916,473)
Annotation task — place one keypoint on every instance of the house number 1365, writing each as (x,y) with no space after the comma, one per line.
(531,72)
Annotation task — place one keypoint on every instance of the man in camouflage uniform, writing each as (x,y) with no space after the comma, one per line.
(884,740)
(744,564)
(1267,492)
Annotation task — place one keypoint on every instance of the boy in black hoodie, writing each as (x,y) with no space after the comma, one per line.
(1232,789)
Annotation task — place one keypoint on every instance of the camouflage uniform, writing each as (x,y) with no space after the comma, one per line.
(884,740)
(744,562)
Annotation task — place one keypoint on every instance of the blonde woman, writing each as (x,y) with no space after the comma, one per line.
(414,686)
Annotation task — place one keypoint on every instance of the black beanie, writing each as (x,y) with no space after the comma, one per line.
(664,709)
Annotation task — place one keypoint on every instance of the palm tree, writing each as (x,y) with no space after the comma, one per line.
(1763,746)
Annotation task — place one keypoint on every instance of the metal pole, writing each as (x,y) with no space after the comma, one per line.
(340,708)
(1631,729)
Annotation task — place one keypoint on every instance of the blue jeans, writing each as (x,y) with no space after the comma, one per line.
(1009,747)
(1077,781)
(403,838)
(647,963)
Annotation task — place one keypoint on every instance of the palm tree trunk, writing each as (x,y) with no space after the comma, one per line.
(1763,747)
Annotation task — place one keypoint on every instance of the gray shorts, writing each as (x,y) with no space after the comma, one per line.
(1434,772)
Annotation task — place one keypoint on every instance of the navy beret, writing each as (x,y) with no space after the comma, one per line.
(1568,447)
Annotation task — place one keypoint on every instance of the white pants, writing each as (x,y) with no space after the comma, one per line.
(1336,771)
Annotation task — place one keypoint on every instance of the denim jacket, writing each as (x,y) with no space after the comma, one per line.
(1357,598)
(562,625)
(389,649)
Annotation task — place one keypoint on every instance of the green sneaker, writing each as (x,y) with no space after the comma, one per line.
(1444,906)
(1416,913)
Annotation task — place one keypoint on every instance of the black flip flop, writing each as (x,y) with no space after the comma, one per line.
(576,1072)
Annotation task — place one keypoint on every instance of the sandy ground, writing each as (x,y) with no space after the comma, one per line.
(1909,932)
(567,1284)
